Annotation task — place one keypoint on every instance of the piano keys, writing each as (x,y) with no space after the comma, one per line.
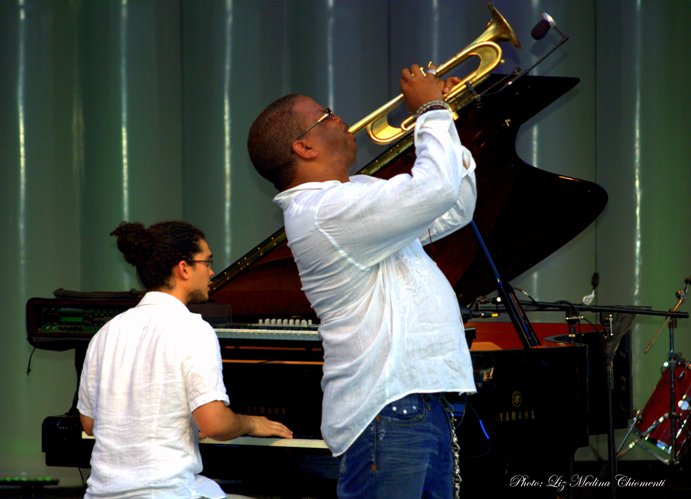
(270,332)
(301,443)
(250,464)
(296,443)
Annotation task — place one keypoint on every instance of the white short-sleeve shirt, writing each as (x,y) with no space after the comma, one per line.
(144,373)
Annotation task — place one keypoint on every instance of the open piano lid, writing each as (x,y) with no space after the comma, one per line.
(523,213)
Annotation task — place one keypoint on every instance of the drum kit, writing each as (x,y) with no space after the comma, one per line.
(663,427)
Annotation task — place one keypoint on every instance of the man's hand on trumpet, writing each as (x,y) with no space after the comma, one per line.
(420,86)
(449,83)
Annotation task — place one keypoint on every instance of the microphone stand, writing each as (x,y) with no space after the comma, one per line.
(543,306)
(611,452)
(673,414)
(508,295)
(517,73)
(609,361)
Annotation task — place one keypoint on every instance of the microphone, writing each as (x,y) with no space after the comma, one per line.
(468,313)
(681,294)
(543,26)
(594,281)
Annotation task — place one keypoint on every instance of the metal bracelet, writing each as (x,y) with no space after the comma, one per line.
(432,105)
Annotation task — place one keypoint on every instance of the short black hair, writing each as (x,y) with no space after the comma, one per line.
(270,139)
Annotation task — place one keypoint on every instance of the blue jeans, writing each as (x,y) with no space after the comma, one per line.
(405,452)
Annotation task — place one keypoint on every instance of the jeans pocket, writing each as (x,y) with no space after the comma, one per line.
(409,408)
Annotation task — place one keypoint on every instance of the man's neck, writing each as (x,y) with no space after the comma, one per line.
(175,292)
(313,172)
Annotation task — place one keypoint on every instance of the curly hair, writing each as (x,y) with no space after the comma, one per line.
(156,250)
(270,138)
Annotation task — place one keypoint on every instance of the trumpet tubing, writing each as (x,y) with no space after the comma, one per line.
(485,48)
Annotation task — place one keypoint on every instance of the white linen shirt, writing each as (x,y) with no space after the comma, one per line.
(144,373)
(390,322)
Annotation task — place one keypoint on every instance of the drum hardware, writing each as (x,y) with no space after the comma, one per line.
(659,429)
(664,434)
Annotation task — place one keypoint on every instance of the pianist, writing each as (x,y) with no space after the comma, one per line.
(152,380)
(389,319)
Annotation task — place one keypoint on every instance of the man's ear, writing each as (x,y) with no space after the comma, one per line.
(181,271)
(303,149)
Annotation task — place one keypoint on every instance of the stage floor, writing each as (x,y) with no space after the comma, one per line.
(589,480)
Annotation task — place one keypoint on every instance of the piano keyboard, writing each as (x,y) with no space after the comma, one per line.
(302,443)
(298,443)
(271,330)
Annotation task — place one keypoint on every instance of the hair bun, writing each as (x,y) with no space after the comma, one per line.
(134,241)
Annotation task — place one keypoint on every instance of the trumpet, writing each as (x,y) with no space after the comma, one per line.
(485,47)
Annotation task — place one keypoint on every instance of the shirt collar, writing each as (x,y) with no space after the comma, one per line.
(283,198)
(161,298)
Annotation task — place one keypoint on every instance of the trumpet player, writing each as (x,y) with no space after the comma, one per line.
(390,324)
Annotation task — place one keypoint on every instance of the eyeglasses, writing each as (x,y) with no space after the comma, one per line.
(209,263)
(328,114)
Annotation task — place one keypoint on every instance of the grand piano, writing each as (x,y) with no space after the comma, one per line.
(541,387)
